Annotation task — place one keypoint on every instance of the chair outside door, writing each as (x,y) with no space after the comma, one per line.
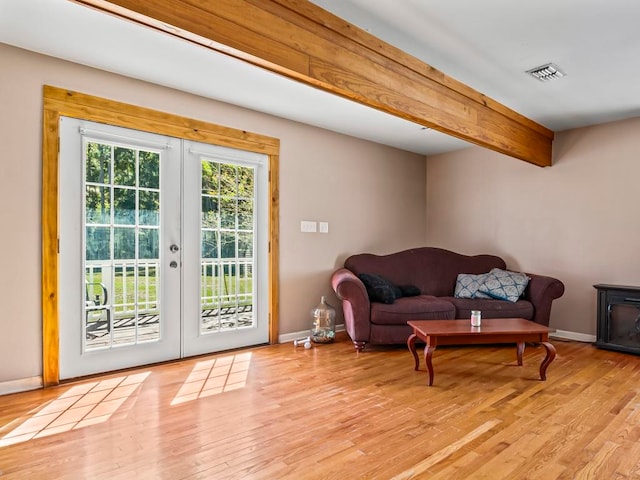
(98,310)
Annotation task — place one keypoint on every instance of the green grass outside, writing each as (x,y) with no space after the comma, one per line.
(211,286)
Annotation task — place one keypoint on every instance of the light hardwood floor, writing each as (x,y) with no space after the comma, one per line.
(329,413)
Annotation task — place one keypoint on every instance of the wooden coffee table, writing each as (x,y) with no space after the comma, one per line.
(493,330)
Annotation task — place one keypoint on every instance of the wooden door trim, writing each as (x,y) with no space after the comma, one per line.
(59,102)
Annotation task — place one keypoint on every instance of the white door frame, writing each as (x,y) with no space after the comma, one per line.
(180,310)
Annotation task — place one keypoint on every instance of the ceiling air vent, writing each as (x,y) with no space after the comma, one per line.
(546,72)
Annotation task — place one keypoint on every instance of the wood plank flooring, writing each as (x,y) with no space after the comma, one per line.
(280,412)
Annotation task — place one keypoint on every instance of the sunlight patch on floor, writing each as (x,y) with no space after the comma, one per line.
(81,406)
(215,376)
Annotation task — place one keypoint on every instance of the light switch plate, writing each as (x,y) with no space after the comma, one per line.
(324,227)
(308,227)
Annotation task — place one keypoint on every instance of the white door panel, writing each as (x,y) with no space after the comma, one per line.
(226,248)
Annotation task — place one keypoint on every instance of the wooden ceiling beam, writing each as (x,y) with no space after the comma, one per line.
(299,40)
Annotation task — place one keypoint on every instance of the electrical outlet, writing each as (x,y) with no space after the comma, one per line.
(308,227)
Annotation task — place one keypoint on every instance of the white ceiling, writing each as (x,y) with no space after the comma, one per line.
(487,45)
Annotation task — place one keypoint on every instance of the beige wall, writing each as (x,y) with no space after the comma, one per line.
(578,220)
(372,196)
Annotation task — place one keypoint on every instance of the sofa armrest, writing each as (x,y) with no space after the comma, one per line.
(541,292)
(355,304)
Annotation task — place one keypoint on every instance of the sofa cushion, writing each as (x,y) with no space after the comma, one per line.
(379,289)
(467,286)
(504,285)
(492,308)
(421,307)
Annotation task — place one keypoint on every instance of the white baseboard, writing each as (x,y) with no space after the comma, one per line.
(290,337)
(576,336)
(559,334)
(20,385)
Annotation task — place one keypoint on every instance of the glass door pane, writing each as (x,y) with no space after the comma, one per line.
(227,233)
(624,324)
(122,223)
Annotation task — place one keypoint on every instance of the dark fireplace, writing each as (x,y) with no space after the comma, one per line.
(618,318)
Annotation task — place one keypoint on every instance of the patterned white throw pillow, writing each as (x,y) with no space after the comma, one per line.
(504,285)
(467,286)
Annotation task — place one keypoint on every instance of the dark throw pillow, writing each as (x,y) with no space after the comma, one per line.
(379,288)
(410,291)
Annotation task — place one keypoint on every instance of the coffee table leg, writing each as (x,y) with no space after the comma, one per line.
(551,354)
(411,343)
(520,352)
(428,353)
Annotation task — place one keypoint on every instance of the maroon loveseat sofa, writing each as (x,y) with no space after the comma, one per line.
(432,273)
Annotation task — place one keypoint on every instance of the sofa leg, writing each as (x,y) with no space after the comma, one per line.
(359,346)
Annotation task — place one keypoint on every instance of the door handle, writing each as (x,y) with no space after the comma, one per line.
(174,248)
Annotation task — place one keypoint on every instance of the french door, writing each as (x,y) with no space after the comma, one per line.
(163,248)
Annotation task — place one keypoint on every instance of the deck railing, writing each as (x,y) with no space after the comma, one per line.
(133,288)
